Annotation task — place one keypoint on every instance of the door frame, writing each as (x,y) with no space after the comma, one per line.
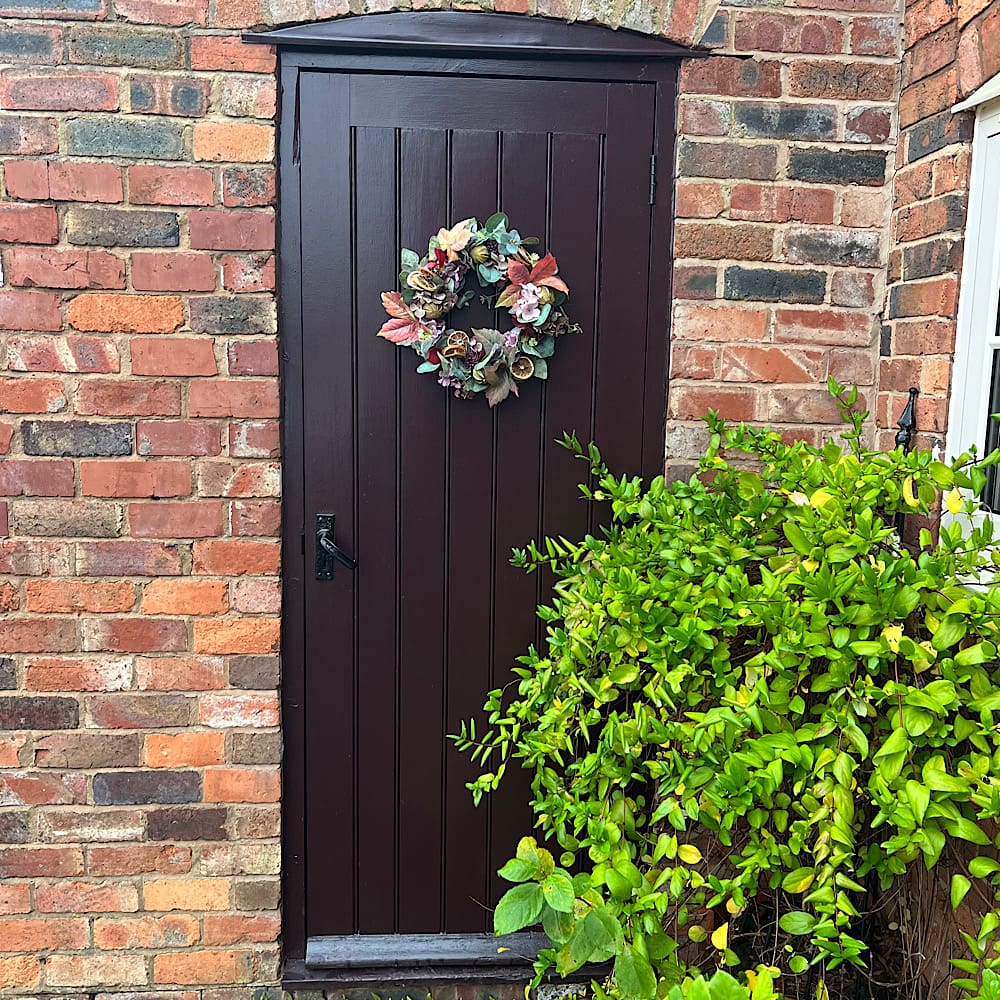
(438,43)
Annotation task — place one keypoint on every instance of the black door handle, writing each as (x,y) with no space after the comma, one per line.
(327,550)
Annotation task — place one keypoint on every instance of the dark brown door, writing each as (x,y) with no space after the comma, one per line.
(430,493)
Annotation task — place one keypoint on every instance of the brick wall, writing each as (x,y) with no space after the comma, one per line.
(950,49)
(139,745)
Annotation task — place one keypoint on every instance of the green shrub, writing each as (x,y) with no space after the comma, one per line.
(750,688)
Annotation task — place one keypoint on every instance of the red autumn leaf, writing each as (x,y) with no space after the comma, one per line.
(517,273)
(400,331)
(394,305)
(542,274)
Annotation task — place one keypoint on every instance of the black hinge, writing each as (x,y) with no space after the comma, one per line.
(652,179)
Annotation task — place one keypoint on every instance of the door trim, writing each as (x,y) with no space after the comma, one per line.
(606,64)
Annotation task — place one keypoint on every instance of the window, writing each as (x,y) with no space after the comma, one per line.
(975,392)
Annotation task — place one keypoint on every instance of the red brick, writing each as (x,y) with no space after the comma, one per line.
(929,54)
(727,75)
(241,635)
(135,479)
(928,97)
(77,674)
(231,230)
(125,557)
(233,398)
(231,557)
(241,785)
(854,80)
(184,749)
(29,91)
(823,326)
(248,273)
(699,200)
(36,477)
(703,117)
(108,970)
(39,788)
(174,12)
(87,897)
(689,402)
(65,268)
(69,181)
(170,185)
(698,322)
(125,313)
(239,479)
(32,395)
(178,930)
(760,31)
(179,437)
(240,96)
(137,860)
(255,518)
(715,241)
(71,596)
(197,519)
(222,52)
(20,972)
(253,357)
(233,142)
(134,635)
(232,929)
(44,935)
(116,398)
(937,297)
(28,135)
(16,898)
(172,356)
(62,354)
(188,894)
(248,187)
(766,203)
(874,36)
(258,597)
(177,673)
(28,224)
(30,311)
(238,711)
(173,272)
(254,439)
(40,862)
(6,433)
(772,364)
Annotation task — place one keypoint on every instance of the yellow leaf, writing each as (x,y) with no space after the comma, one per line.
(810,564)
(953,501)
(908,496)
(720,937)
(892,634)
(820,497)
(689,854)
(733,907)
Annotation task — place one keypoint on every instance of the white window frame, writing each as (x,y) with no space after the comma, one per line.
(979,302)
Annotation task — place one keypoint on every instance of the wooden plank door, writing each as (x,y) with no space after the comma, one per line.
(430,492)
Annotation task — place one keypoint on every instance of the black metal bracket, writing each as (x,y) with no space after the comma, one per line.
(327,551)
(907,423)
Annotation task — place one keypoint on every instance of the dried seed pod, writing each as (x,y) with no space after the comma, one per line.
(480,253)
(423,279)
(432,310)
(546,296)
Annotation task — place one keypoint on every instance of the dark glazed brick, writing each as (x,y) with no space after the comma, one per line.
(715,33)
(784,121)
(80,751)
(256,748)
(834,247)
(217,314)
(186,824)
(25,45)
(75,438)
(944,129)
(122,788)
(8,675)
(169,96)
(885,342)
(145,139)
(13,828)
(113,227)
(55,8)
(826,166)
(766,285)
(728,159)
(934,257)
(254,673)
(39,713)
(126,47)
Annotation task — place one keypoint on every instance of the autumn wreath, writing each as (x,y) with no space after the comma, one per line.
(511,277)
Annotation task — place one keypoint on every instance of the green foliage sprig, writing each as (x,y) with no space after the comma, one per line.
(750,686)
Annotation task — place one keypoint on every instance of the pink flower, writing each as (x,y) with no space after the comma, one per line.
(527,308)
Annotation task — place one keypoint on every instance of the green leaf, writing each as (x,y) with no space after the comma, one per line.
(557,926)
(798,963)
(797,922)
(558,891)
(519,907)
(960,885)
(517,870)
(983,867)
(634,975)
(724,987)
(799,880)
(951,631)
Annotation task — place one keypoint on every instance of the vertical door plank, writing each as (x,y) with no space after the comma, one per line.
(575,213)
(375,268)
(520,422)
(474,168)
(624,277)
(328,385)
(423,206)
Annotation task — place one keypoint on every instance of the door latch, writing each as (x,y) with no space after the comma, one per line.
(327,550)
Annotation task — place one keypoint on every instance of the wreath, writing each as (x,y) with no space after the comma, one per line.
(509,277)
